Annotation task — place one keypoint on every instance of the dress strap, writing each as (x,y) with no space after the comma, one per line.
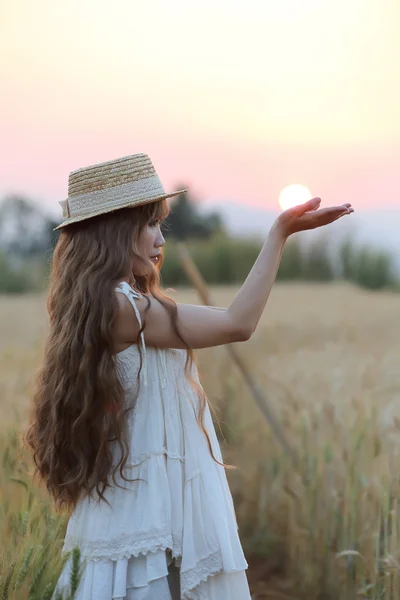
(124,288)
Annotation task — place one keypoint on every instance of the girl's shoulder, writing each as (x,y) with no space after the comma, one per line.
(126,328)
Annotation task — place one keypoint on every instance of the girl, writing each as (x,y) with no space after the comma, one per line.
(120,427)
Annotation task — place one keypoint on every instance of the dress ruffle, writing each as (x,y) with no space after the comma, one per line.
(125,578)
(146,578)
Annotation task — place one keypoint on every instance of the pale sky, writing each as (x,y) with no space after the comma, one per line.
(234,99)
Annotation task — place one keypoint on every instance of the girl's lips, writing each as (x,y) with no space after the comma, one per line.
(155,259)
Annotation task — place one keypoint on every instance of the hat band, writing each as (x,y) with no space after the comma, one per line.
(91,202)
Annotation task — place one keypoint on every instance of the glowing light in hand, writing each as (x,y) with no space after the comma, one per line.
(292,195)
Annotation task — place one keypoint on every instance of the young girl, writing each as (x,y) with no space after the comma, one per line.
(120,427)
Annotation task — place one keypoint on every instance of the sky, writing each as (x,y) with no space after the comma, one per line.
(235,100)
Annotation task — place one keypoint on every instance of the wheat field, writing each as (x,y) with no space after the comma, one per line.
(322,527)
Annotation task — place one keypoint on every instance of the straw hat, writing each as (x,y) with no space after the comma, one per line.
(104,187)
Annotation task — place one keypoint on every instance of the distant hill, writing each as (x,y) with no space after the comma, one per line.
(379,228)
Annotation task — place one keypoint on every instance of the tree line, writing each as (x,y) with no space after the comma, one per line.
(27,241)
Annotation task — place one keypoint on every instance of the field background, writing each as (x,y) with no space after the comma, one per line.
(327,358)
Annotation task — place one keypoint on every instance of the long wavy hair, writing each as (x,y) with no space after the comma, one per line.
(70,423)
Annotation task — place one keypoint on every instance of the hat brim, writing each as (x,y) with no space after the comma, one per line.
(132,204)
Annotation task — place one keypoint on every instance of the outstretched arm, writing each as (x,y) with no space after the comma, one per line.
(204,326)
(248,305)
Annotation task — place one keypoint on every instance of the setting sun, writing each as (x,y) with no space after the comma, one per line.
(292,195)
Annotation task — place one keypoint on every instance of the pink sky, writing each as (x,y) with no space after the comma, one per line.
(236,100)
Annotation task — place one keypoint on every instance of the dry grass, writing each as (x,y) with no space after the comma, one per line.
(327,359)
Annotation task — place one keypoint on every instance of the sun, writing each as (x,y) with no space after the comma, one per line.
(292,195)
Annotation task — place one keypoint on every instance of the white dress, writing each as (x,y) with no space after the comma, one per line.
(174,535)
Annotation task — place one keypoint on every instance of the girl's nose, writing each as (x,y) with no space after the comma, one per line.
(160,240)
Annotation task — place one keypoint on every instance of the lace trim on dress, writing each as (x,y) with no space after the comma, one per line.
(126,546)
(191,580)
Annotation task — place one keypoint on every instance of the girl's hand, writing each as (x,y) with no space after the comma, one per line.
(307,216)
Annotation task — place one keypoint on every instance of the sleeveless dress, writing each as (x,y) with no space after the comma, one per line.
(174,534)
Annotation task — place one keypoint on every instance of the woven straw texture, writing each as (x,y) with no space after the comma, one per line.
(104,187)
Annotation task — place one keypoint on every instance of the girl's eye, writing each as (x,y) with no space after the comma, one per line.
(154,223)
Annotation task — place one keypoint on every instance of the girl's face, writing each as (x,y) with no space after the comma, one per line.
(150,241)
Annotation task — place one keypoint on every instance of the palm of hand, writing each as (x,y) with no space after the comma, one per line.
(307,216)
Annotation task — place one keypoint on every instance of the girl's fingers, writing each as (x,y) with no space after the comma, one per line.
(343,209)
(312,204)
(348,207)
(325,216)
(310,216)
(334,213)
(308,206)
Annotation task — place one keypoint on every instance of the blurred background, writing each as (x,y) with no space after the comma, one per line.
(253,107)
